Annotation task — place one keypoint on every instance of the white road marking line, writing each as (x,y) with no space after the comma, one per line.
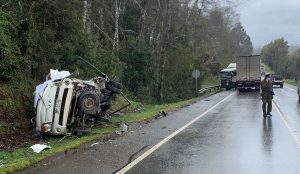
(147,153)
(290,88)
(292,132)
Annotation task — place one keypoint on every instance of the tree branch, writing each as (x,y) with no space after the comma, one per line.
(104,33)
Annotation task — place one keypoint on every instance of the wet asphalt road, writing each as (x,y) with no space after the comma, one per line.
(232,138)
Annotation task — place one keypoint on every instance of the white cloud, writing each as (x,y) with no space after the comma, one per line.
(266,20)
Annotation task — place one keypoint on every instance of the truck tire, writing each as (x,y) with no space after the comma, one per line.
(113,89)
(88,102)
(115,84)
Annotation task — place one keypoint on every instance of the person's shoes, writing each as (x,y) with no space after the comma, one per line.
(269,114)
(265,115)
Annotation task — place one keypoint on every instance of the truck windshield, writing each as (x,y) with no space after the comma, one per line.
(277,77)
(224,75)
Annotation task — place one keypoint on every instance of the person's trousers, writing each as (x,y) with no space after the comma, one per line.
(267,105)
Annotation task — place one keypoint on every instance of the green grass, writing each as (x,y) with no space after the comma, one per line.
(25,157)
(210,81)
(291,82)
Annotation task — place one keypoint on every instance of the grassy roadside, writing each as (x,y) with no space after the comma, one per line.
(24,157)
(291,82)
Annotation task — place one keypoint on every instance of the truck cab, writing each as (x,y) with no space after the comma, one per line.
(228,78)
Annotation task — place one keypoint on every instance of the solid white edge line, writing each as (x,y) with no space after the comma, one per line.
(147,153)
(290,88)
(287,124)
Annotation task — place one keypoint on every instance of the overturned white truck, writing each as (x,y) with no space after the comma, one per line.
(65,104)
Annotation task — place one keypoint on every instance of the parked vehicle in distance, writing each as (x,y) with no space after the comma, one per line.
(228,77)
(248,70)
(277,80)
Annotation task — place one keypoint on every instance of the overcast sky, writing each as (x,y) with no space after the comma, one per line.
(266,20)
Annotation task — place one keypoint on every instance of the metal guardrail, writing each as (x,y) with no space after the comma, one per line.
(209,88)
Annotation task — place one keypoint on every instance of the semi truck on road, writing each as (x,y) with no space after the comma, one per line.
(248,72)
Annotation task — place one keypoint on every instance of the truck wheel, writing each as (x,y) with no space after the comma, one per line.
(113,89)
(228,88)
(115,84)
(88,102)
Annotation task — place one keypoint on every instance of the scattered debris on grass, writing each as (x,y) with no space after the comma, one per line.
(37,148)
(123,128)
(96,143)
(161,114)
(119,114)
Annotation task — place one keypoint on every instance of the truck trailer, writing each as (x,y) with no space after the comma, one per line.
(248,72)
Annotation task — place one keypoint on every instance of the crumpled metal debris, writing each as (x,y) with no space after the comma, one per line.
(123,128)
(37,148)
(161,114)
(118,114)
(96,143)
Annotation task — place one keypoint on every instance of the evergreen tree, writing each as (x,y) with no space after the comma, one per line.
(242,44)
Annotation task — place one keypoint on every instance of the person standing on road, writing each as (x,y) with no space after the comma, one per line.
(267,95)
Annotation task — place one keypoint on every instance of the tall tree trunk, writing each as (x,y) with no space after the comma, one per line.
(165,27)
(162,76)
(86,16)
(116,35)
(143,12)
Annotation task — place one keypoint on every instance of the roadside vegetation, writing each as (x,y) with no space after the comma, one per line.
(277,57)
(291,82)
(24,157)
(151,47)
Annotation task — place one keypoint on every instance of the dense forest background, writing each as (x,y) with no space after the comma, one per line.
(276,55)
(151,46)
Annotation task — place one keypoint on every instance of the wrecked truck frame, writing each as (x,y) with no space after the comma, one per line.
(70,105)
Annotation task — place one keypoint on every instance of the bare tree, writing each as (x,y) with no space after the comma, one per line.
(86,15)
(116,34)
